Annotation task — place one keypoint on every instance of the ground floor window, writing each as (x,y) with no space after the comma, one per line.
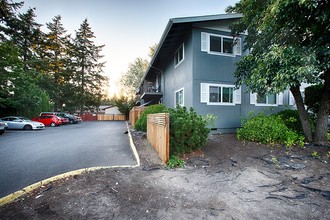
(270,99)
(179,97)
(220,94)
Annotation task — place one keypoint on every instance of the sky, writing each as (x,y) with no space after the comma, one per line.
(127,28)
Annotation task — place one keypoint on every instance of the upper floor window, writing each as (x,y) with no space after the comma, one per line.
(220,44)
(179,56)
(179,97)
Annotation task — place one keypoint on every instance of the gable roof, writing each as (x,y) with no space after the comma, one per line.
(175,29)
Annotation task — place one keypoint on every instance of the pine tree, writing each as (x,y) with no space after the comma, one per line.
(8,18)
(19,92)
(54,61)
(88,68)
(26,37)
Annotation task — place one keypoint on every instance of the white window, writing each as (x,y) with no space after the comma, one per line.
(179,97)
(267,99)
(179,56)
(220,94)
(220,44)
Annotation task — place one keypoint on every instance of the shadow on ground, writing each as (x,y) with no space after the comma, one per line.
(227,180)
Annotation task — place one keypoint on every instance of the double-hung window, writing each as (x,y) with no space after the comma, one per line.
(179,97)
(220,94)
(179,56)
(220,44)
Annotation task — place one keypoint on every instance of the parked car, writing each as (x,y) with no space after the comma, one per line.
(63,120)
(48,120)
(67,117)
(17,122)
(72,119)
(79,119)
(3,127)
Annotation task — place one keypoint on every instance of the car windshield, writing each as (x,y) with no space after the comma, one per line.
(24,119)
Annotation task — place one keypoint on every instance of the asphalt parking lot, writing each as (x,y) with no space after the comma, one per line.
(27,157)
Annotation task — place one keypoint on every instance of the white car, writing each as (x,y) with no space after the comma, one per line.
(15,122)
(3,127)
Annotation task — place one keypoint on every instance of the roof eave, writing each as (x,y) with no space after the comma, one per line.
(186,20)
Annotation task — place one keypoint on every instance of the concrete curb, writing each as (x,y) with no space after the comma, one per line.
(133,146)
(13,196)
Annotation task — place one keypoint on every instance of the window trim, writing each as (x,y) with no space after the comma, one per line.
(205,94)
(205,44)
(278,98)
(175,101)
(178,62)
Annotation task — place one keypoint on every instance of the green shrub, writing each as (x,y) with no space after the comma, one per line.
(188,131)
(141,123)
(175,161)
(291,119)
(268,130)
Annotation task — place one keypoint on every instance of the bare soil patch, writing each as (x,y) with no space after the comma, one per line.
(228,179)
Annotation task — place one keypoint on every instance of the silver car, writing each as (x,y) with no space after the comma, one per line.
(3,127)
(15,122)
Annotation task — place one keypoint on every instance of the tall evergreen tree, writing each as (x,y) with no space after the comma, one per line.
(8,18)
(19,92)
(26,37)
(88,78)
(54,55)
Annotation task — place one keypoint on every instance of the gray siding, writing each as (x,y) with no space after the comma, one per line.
(217,69)
(179,77)
(200,67)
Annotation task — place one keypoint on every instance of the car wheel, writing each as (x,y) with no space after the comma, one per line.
(2,131)
(27,127)
(53,124)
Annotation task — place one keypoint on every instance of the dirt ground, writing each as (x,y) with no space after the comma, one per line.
(228,179)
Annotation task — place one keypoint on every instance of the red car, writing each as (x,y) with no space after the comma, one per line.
(64,120)
(48,120)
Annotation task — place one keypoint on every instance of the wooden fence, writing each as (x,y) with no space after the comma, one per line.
(158,134)
(111,117)
(135,113)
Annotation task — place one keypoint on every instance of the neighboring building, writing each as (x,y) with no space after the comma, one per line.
(112,111)
(194,66)
(109,110)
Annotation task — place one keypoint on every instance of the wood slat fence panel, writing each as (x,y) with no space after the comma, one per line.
(158,134)
(111,117)
(135,113)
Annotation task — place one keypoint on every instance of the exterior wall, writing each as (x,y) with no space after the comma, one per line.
(209,68)
(201,67)
(218,69)
(179,77)
(247,108)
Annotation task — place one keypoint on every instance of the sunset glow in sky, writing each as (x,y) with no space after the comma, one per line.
(127,28)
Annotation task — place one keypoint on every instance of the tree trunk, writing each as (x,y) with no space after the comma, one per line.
(323,112)
(306,126)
